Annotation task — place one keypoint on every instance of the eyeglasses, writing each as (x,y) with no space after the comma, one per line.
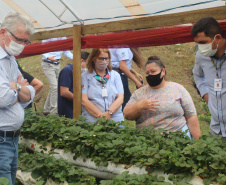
(103,58)
(19,40)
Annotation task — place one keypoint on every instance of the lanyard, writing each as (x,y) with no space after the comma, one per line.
(216,66)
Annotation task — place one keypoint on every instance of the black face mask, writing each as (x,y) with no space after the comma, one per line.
(154,80)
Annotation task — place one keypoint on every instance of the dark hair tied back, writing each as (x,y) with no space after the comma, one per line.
(153,58)
(156,60)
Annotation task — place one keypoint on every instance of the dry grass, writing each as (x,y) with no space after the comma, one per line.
(178,59)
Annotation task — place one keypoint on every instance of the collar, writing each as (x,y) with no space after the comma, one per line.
(94,72)
(70,65)
(223,56)
(3,54)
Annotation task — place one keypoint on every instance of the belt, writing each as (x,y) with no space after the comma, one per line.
(10,133)
(117,69)
(49,61)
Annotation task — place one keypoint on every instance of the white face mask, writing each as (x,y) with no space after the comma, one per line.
(206,49)
(14,48)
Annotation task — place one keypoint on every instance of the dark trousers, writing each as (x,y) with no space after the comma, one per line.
(127,93)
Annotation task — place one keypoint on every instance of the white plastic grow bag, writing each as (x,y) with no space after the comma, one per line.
(102,172)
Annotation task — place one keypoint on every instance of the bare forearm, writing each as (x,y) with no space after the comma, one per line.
(132,112)
(206,97)
(68,95)
(117,103)
(24,95)
(133,71)
(127,72)
(193,125)
(37,84)
(91,108)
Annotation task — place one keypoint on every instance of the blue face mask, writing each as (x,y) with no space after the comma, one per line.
(154,80)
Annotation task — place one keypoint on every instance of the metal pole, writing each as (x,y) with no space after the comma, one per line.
(72,11)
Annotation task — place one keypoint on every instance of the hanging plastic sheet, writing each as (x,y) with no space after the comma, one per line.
(145,38)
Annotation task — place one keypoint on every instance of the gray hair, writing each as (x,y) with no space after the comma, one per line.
(13,20)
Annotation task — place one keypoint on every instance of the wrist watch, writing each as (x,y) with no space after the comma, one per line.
(110,112)
(18,87)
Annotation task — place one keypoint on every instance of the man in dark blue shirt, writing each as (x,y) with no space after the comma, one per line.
(65,88)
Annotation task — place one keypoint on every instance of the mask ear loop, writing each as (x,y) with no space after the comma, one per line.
(196,47)
(213,41)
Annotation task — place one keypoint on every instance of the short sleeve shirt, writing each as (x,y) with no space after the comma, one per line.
(120,54)
(65,106)
(175,102)
(93,88)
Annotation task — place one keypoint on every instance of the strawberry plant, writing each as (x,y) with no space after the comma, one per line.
(126,179)
(106,141)
(44,166)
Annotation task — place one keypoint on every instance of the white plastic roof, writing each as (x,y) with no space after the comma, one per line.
(45,12)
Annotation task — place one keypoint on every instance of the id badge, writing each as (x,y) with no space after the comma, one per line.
(104,92)
(217,84)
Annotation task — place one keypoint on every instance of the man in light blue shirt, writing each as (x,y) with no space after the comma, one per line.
(51,69)
(15,92)
(210,71)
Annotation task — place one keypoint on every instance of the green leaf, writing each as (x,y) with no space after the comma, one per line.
(206,181)
(4,181)
(105,163)
(157,156)
(161,179)
(36,174)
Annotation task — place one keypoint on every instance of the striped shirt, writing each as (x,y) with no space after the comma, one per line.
(175,102)
(57,54)
(11,116)
(204,75)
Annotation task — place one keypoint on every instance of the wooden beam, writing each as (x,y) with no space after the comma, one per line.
(156,21)
(52,34)
(20,10)
(77,71)
(134,7)
(218,13)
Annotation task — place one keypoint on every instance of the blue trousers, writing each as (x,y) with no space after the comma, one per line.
(9,158)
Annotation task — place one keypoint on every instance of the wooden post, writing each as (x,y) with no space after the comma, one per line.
(77,71)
